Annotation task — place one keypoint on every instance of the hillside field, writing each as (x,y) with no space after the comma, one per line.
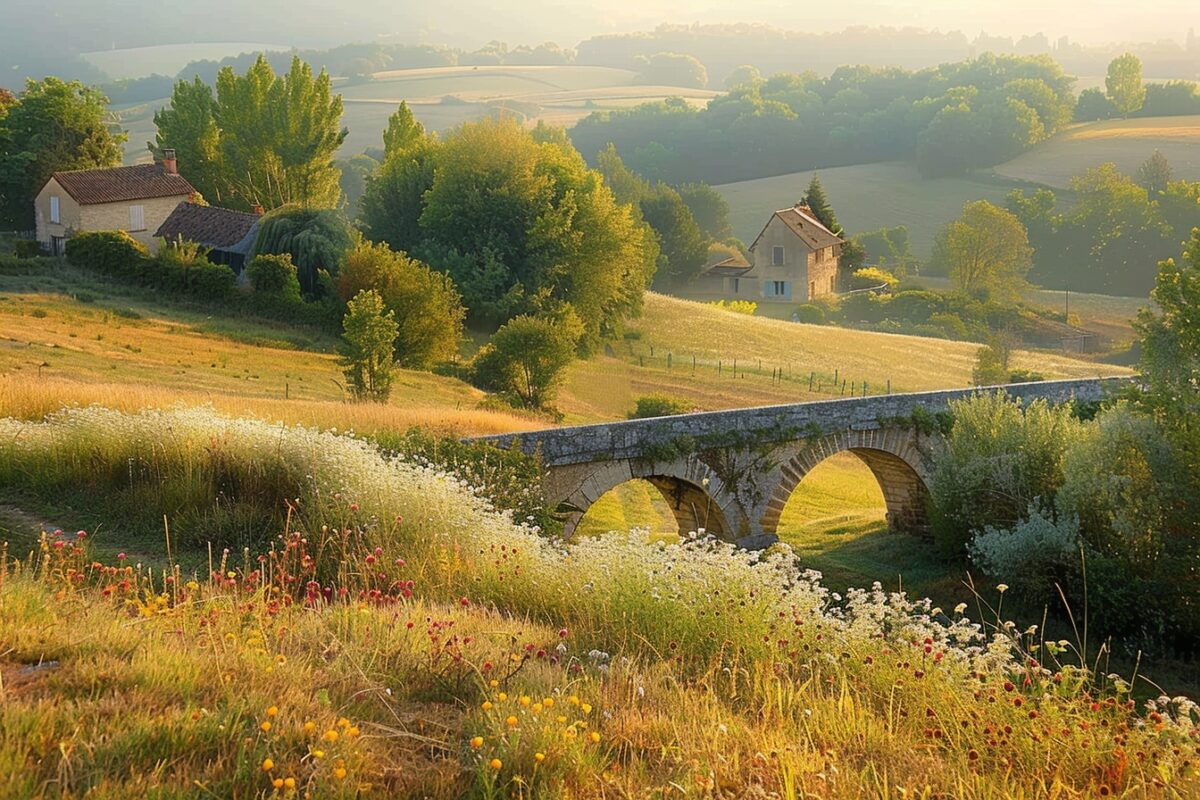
(1126,143)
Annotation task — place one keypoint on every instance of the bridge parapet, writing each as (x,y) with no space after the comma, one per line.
(632,439)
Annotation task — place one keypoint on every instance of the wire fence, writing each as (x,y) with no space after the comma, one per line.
(822,382)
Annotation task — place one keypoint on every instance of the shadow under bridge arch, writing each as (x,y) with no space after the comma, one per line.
(694,493)
(892,455)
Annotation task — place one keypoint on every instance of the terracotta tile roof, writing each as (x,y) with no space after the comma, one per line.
(209,226)
(117,184)
(801,221)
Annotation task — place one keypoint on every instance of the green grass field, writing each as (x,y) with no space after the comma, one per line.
(866,197)
(168,59)
(606,387)
(1126,143)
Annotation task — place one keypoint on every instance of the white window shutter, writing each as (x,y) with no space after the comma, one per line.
(54,211)
(137,218)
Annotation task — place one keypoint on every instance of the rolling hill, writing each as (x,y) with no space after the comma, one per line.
(1126,143)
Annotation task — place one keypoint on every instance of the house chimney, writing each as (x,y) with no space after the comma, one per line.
(169,165)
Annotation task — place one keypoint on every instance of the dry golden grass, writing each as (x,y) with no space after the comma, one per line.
(128,353)
(26,399)
(608,387)
(1126,143)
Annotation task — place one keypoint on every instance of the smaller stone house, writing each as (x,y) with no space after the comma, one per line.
(134,199)
(795,261)
(228,235)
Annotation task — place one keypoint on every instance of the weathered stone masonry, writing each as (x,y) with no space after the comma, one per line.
(732,472)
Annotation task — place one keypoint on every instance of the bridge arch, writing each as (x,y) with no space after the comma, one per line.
(892,455)
(695,494)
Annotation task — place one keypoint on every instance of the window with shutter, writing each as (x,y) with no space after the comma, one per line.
(54,211)
(777,256)
(137,218)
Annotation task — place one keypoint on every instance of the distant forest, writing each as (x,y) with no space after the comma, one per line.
(950,119)
(33,45)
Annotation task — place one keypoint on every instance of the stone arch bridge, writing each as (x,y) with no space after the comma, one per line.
(731,472)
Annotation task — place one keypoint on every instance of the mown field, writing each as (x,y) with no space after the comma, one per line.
(866,197)
(1126,143)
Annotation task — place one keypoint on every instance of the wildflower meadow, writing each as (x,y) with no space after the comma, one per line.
(262,610)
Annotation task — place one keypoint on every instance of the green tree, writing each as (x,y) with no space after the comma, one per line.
(1170,371)
(684,248)
(316,240)
(527,359)
(368,341)
(189,126)
(815,199)
(709,208)
(403,131)
(1155,173)
(986,248)
(392,202)
(744,76)
(264,139)
(1123,84)
(671,69)
(524,226)
(355,172)
(52,126)
(428,310)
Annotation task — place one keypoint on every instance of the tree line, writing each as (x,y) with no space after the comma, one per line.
(949,119)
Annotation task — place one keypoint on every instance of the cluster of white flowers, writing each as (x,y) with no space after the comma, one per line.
(696,595)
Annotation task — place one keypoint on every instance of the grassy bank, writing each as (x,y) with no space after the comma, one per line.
(396,601)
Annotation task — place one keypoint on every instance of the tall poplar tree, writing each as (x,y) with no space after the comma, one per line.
(263,139)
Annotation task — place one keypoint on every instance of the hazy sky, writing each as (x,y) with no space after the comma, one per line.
(1083,20)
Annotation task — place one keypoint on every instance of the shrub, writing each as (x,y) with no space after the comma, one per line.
(274,276)
(998,459)
(183,267)
(872,277)
(1034,555)
(747,307)
(950,325)
(27,248)
(916,305)
(316,239)
(659,405)
(526,359)
(509,478)
(810,314)
(863,307)
(110,252)
(427,307)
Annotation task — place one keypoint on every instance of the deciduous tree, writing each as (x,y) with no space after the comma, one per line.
(53,125)
(986,248)
(427,307)
(1123,84)
(368,340)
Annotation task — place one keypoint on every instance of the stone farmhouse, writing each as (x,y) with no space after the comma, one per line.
(795,261)
(135,199)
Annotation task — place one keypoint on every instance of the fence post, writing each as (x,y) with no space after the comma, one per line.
(835,376)
(668,359)
(889,389)
(811,377)
(843,388)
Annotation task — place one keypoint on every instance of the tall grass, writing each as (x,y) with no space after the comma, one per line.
(741,664)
